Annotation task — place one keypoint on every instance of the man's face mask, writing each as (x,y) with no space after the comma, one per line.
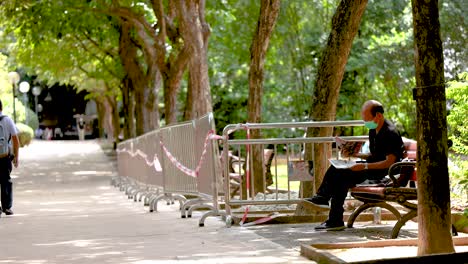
(370,124)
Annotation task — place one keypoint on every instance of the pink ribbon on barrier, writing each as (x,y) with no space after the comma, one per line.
(151,163)
(263,219)
(176,163)
(193,173)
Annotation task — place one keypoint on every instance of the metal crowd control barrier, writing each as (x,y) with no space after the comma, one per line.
(210,177)
(139,168)
(183,160)
(171,163)
(155,172)
(191,166)
(177,140)
(242,148)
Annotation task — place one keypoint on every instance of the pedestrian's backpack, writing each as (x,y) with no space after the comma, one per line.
(4,146)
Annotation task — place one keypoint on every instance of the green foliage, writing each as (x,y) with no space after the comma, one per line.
(458,168)
(63,42)
(26,134)
(228,57)
(23,113)
(454,27)
(76,42)
(290,66)
(457,96)
(381,65)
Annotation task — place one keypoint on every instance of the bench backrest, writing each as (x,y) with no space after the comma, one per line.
(406,170)
(411,148)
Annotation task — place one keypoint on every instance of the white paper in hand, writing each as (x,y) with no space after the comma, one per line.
(342,164)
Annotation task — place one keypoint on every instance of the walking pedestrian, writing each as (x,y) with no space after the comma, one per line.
(9,148)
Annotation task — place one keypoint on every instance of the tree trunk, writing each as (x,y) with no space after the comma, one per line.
(128,106)
(172,66)
(106,116)
(434,219)
(269,10)
(144,80)
(173,72)
(136,78)
(115,120)
(195,32)
(171,87)
(139,111)
(102,116)
(152,104)
(345,24)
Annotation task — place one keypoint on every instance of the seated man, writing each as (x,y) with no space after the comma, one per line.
(386,148)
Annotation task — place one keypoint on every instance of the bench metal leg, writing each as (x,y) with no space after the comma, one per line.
(368,205)
(402,221)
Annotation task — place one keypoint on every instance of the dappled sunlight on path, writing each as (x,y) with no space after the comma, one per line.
(67,212)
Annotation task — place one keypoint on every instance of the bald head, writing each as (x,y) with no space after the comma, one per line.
(372,114)
(373,107)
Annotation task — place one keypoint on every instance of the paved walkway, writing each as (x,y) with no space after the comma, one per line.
(67,212)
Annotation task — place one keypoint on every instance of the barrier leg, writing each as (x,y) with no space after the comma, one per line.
(153,206)
(179,198)
(188,204)
(198,206)
(137,196)
(214,213)
(150,196)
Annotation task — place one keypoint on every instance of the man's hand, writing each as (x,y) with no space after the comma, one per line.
(15,162)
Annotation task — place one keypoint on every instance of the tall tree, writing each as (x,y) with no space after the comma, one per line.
(433,179)
(269,10)
(345,25)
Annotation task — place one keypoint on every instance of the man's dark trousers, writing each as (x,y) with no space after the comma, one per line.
(336,183)
(6,184)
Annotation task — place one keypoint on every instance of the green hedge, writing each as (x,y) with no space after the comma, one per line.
(26,134)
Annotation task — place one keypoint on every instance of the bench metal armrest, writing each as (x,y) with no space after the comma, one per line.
(404,169)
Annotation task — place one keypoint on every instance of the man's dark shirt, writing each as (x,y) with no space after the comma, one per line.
(387,141)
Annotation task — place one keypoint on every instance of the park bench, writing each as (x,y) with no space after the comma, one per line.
(400,188)
(380,195)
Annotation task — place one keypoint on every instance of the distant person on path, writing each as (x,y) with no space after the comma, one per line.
(39,132)
(9,155)
(81,128)
(386,148)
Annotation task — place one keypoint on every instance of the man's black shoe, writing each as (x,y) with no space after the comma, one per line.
(319,201)
(8,211)
(328,226)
